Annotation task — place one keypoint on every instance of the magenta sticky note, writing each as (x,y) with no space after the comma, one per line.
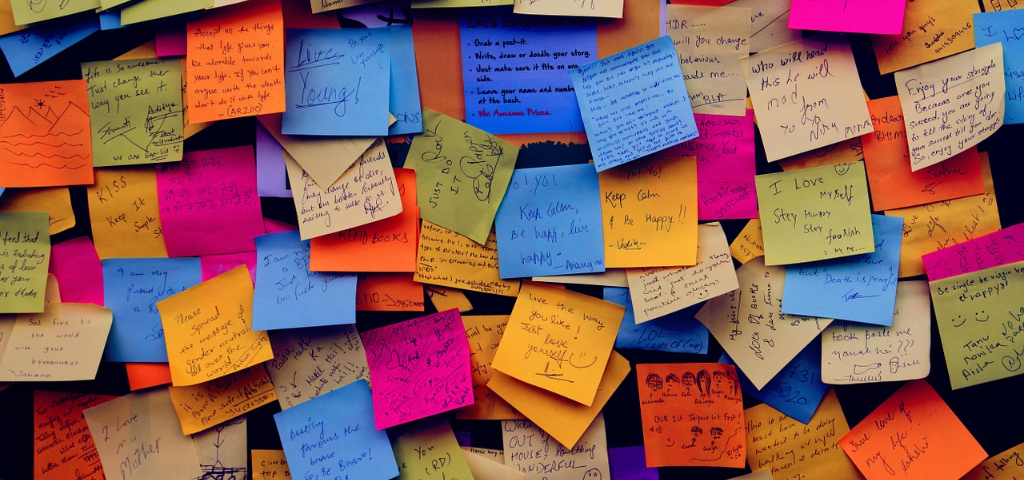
(877,16)
(79,273)
(208,202)
(170,40)
(992,250)
(213,265)
(418,368)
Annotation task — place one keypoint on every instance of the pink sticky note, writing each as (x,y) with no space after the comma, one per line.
(992,250)
(876,16)
(418,368)
(213,265)
(273,226)
(170,40)
(725,166)
(79,273)
(208,203)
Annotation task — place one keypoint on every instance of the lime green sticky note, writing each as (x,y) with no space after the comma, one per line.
(146,10)
(24,260)
(37,11)
(137,111)
(981,323)
(430,452)
(461,174)
(815,214)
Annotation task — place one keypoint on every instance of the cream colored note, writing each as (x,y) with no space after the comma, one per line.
(710,42)
(576,8)
(801,95)
(854,353)
(309,362)
(63,343)
(769,23)
(656,292)
(139,438)
(222,450)
(750,325)
(270,465)
(749,243)
(452,260)
(54,201)
(324,159)
(494,455)
(200,407)
(951,105)
(612,277)
(533,452)
(484,467)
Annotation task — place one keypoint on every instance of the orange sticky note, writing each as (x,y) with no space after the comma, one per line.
(388,245)
(207,404)
(447,298)
(44,134)
(887,159)
(388,292)
(236,62)
(63,444)
(448,259)
(692,415)
(749,243)
(270,465)
(932,29)
(913,435)
(484,333)
(54,201)
(125,215)
(208,329)
(145,375)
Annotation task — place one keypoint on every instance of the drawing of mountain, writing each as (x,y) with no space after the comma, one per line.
(18,123)
(42,137)
(70,122)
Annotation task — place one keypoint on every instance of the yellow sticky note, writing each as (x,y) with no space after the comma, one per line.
(452,260)
(448,298)
(24,260)
(202,406)
(418,451)
(1007,465)
(209,329)
(749,243)
(650,187)
(269,465)
(931,227)
(54,201)
(932,29)
(559,340)
(124,214)
(484,333)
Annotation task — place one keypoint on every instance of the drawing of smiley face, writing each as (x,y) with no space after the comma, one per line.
(592,474)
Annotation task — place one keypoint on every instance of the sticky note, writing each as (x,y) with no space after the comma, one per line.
(547,347)
(999,27)
(406,386)
(650,212)
(750,325)
(145,375)
(884,17)
(26,13)
(289,295)
(223,450)
(940,123)
(815,214)
(914,434)
(443,260)
(611,9)
(205,405)
(515,70)
(484,333)
(692,415)
(769,23)
(430,450)
(269,465)
(709,42)
(987,251)
(55,115)
(55,201)
(32,46)
(676,332)
(404,96)
(138,110)
(855,354)
(24,260)
(389,292)
(224,47)
(125,214)
(797,390)
(447,298)
(271,174)
(208,329)
(62,343)
(887,160)
(309,362)
(801,95)
(749,243)
(549,223)
(78,271)
(926,36)
(460,182)
(1003,465)
(484,466)
(656,292)
(846,151)
(659,116)
(336,82)
(209,202)
(63,445)
(589,454)
(132,286)
(323,158)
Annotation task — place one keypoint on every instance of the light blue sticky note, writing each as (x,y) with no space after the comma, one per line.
(271,174)
(131,288)
(110,19)
(515,69)
(797,389)
(288,295)
(676,332)
(2,191)
(28,48)
(333,436)
(337,81)
(1005,26)
(634,103)
(405,87)
(550,223)
(861,288)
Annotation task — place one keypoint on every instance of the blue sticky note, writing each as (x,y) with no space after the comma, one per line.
(288,295)
(337,81)
(515,69)
(333,436)
(131,288)
(405,87)
(550,223)
(797,389)
(1005,26)
(676,332)
(110,19)
(28,48)
(634,103)
(2,191)
(860,288)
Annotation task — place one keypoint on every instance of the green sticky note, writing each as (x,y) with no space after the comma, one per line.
(32,11)
(461,174)
(24,260)
(815,214)
(137,111)
(430,452)
(981,323)
(146,10)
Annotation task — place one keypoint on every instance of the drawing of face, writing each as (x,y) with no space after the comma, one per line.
(592,474)
(704,382)
(654,382)
(689,381)
(672,380)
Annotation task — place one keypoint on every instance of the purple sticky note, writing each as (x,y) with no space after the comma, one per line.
(79,273)
(629,463)
(271,175)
